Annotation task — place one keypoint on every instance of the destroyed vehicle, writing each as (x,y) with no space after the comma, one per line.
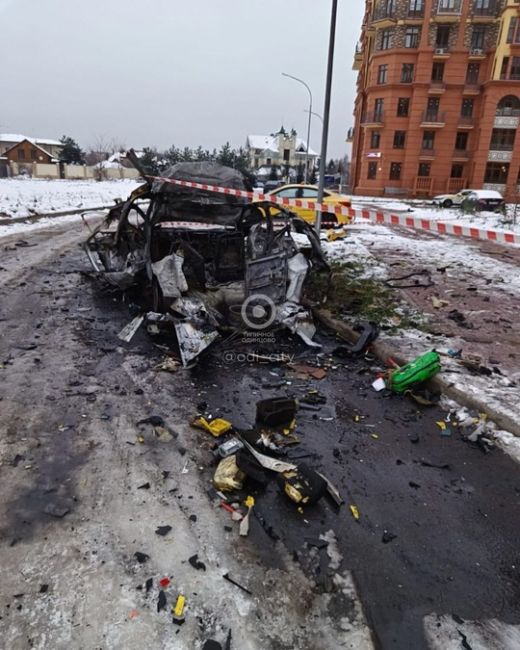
(204,260)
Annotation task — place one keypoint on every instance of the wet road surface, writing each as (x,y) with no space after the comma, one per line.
(456,549)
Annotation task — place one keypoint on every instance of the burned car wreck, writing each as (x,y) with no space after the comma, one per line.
(204,262)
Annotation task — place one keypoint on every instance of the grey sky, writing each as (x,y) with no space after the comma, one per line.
(183,72)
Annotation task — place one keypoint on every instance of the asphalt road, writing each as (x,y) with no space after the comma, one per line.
(456,546)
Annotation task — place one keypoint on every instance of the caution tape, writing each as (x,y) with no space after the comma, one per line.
(374,216)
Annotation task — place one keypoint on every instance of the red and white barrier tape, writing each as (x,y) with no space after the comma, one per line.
(374,216)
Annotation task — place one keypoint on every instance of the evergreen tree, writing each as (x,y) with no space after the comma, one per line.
(226,156)
(186,155)
(300,173)
(312,179)
(172,155)
(71,154)
(149,161)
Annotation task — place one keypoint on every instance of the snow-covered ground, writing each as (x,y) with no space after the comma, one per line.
(29,197)
(425,210)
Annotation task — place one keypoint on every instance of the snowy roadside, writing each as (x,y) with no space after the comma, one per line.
(455,216)
(454,267)
(29,197)
(47,223)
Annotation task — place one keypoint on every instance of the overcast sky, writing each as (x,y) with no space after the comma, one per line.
(183,72)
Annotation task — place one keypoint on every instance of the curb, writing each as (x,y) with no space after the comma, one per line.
(383,350)
(36,217)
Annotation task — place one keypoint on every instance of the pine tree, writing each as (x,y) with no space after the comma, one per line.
(149,161)
(226,156)
(71,154)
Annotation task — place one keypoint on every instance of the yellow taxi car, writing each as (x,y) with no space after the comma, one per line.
(310,193)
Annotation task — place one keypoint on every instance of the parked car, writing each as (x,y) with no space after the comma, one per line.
(484,200)
(310,192)
(450,200)
(272,185)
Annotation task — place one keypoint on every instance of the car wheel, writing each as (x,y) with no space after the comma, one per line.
(447,203)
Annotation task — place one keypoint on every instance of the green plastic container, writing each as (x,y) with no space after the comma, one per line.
(415,372)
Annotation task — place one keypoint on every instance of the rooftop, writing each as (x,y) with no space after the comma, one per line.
(18,137)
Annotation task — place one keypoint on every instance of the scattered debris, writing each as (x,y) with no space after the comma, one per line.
(169,364)
(216,427)
(56,509)
(161,601)
(128,331)
(228,475)
(229,448)
(144,486)
(227,577)
(163,530)
(141,557)
(416,372)
(276,411)
(164,582)
(311,371)
(355,512)
(178,610)
(196,564)
(388,537)
(148,584)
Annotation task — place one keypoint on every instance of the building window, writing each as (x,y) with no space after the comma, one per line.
(457,171)
(21,154)
(514,73)
(395,171)
(382,74)
(502,140)
(424,169)
(416,8)
(466,109)
(33,154)
(286,155)
(379,105)
(411,36)
(513,33)
(403,105)
(472,73)
(399,139)
(386,39)
(442,39)
(496,173)
(478,37)
(407,73)
(372,170)
(428,140)
(375,140)
(449,6)
(268,161)
(432,109)
(461,141)
(481,4)
(438,71)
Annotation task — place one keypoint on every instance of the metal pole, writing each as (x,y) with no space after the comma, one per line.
(284,74)
(326,111)
(305,110)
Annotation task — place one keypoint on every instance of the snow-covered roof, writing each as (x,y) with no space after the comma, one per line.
(270,143)
(18,137)
(264,142)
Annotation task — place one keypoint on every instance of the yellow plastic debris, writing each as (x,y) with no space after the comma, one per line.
(333,235)
(441,425)
(249,502)
(140,439)
(216,427)
(355,512)
(228,476)
(375,436)
(178,610)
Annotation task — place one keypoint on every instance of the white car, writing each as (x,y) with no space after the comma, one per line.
(450,200)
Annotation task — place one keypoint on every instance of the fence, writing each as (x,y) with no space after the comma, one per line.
(70,172)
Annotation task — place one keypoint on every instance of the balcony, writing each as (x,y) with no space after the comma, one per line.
(426,154)
(484,14)
(384,16)
(507,118)
(436,88)
(477,54)
(460,155)
(373,120)
(466,122)
(433,119)
(500,153)
(455,185)
(447,14)
(510,77)
(358,58)
(441,53)
(350,134)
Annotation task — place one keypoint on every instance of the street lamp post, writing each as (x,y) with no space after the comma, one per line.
(306,110)
(326,111)
(284,74)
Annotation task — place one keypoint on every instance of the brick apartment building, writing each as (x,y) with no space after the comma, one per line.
(438,97)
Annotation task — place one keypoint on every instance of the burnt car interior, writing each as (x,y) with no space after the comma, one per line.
(176,242)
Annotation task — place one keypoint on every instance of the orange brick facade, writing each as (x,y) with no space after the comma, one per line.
(438,101)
